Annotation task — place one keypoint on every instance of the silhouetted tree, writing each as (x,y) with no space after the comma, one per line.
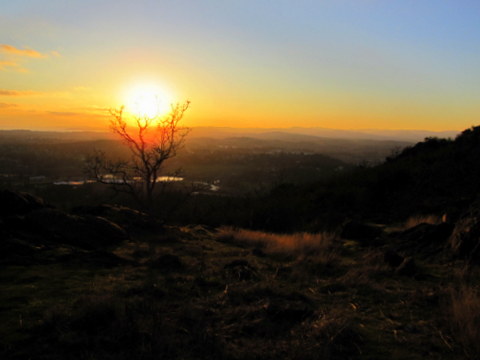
(151,141)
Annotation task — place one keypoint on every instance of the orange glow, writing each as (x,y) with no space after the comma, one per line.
(147,101)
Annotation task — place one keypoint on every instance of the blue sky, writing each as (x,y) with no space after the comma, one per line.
(337,63)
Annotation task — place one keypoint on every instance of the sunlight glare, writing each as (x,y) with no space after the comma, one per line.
(147,101)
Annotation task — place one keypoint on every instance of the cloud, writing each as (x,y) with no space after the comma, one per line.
(4,92)
(11,65)
(6,105)
(65,113)
(96,108)
(9,49)
(13,57)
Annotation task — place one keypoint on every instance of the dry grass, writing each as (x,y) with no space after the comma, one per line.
(465,318)
(297,243)
(363,276)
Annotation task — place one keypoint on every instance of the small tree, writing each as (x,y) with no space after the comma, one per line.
(151,141)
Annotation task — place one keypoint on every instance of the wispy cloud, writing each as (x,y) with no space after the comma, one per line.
(11,65)
(65,113)
(97,109)
(4,92)
(9,49)
(11,57)
(7,105)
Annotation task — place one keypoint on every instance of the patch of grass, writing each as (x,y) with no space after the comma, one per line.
(297,243)
(367,274)
(465,319)
(235,294)
(112,327)
(332,335)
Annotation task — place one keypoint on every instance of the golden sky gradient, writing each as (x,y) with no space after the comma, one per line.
(335,64)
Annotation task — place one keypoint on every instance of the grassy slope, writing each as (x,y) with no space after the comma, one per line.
(189,294)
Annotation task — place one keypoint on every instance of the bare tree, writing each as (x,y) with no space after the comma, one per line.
(151,141)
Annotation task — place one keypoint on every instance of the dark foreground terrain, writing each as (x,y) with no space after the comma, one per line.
(108,282)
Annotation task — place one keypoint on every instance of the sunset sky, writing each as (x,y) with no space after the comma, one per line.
(346,64)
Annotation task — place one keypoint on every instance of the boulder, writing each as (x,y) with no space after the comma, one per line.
(425,240)
(428,233)
(129,218)
(465,238)
(88,232)
(18,203)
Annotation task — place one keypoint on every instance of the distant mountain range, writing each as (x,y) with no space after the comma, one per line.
(285,134)
(281,133)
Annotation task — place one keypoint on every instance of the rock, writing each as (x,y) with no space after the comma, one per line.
(392,258)
(465,238)
(428,233)
(18,203)
(129,218)
(424,240)
(89,232)
(359,231)
(407,268)
(103,231)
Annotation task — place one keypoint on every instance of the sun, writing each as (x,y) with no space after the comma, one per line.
(147,101)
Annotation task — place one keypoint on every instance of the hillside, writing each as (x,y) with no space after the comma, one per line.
(435,176)
(111,283)
(389,269)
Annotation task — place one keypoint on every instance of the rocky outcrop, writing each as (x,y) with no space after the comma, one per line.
(423,241)
(465,239)
(129,218)
(88,232)
(33,232)
(19,203)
